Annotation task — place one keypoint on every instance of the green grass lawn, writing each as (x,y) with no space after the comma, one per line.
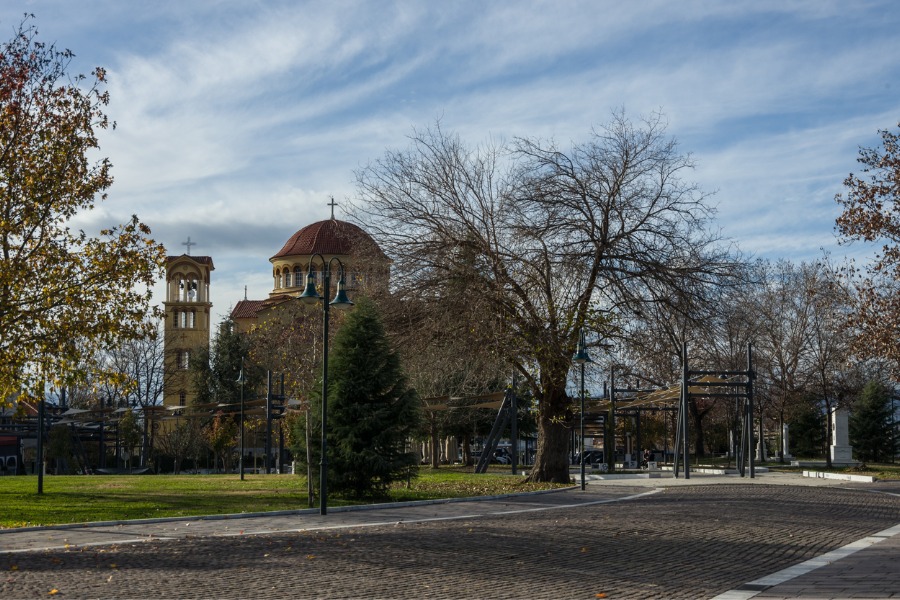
(80,498)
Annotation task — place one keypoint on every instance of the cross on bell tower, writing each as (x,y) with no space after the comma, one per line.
(189,243)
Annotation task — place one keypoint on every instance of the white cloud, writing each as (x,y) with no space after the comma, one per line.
(237,119)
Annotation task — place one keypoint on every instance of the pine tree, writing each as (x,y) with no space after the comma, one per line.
(808,431)
(372,412)
(216,370)
(870,424)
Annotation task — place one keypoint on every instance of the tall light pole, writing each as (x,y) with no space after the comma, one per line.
(581,358)
(240,380)
(310,296)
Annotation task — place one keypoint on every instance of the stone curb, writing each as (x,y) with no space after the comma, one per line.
(840,476)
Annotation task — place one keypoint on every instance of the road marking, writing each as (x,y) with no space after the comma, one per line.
(447,518)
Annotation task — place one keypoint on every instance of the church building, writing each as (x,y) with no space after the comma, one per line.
(310,249)
(188,308)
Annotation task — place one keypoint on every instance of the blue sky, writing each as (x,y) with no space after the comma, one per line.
(238,119)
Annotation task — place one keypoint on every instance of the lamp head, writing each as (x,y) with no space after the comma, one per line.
(341,301)
(310,295)
(581,354)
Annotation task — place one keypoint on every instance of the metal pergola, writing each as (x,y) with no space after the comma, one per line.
(695,383)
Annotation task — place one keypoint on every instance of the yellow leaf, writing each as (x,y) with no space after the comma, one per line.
(14,568)
(310,556)
(53,592)
(600,595)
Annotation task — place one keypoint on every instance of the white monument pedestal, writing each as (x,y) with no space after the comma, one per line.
(841,450)
(785,444)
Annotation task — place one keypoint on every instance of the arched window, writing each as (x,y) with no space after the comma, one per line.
(298,277)
(182,398)
(175,319)
(192,319)
(287,278)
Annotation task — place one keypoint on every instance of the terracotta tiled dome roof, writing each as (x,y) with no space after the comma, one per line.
(327,237)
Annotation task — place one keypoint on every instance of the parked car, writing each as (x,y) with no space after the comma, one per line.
(500,456)
(591,457)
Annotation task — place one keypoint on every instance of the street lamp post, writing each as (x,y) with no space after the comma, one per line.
(581,358)
(241,457)
(310,296)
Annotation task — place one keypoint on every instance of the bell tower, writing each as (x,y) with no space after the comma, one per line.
(187,325)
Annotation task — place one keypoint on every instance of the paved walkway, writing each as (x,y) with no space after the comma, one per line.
(776,536)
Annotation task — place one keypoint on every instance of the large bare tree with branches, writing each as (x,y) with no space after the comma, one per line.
(541,242)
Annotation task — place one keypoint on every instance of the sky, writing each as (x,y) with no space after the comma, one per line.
(237,120)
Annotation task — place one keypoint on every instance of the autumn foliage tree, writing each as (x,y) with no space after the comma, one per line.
(62,291)
(871,213)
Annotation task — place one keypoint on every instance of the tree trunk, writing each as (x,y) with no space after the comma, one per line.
(435,448)
(782,450)
(551,463)
(828,433)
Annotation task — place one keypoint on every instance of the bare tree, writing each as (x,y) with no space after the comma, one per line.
(181,441)
(441,364)
(785,346)
(829,358)
(542,243)
(138,374)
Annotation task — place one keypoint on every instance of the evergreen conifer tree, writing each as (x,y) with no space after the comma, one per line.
(870,424)
(372,412)
(215,371)
(807,435)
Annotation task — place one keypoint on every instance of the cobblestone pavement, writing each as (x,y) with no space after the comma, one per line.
(692,541)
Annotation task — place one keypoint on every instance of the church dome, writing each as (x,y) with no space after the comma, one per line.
(328,238)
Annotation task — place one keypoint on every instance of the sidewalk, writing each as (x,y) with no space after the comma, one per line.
(868,568)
